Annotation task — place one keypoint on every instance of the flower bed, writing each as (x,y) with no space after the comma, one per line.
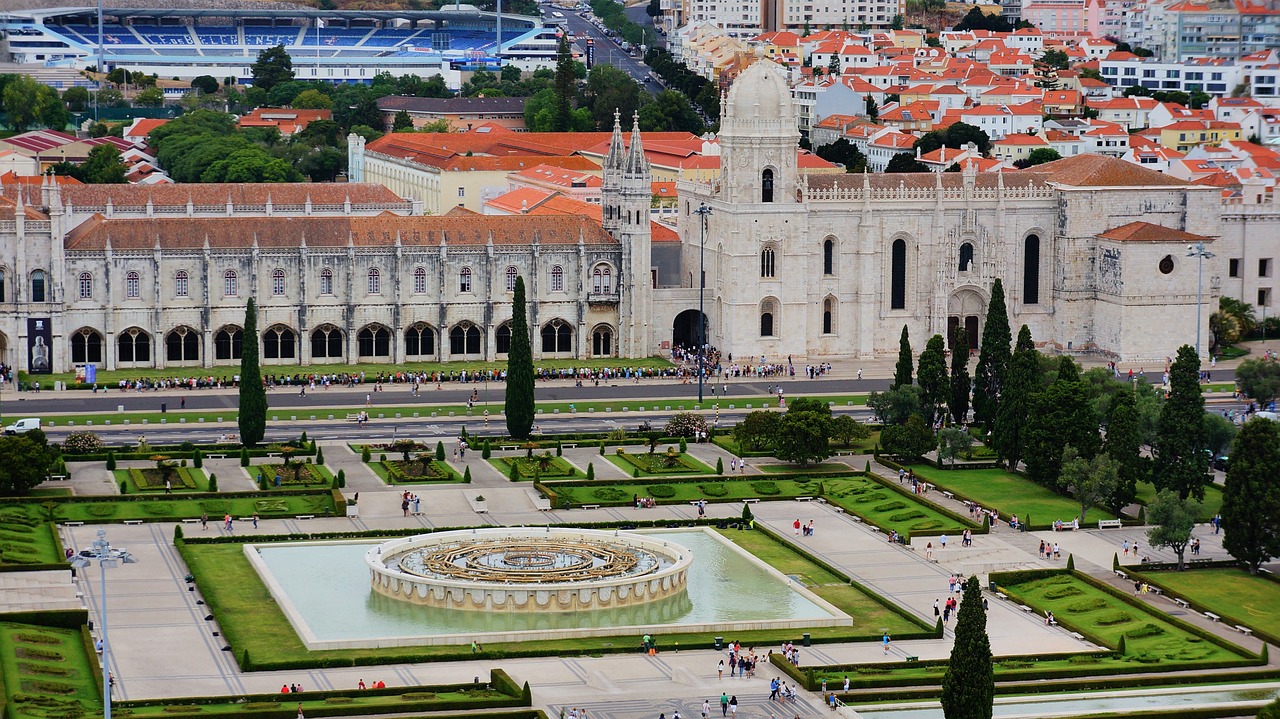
(151,479)
(297,474)
(535,467)
(420,469)
(659,463)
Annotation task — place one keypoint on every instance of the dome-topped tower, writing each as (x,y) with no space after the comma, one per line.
(759,136)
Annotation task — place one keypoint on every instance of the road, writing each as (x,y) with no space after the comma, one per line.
(608,52)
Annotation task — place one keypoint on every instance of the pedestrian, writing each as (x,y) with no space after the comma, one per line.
(1057,552)
(204,520)
(300,715)
(724,704)
(360,685)
(796,525)
(733,705)
(720,670)
(404,507)
(943,541)
(936,611)
(886,643)
(255,520)
(168,487)
(1125,547)
(706,708)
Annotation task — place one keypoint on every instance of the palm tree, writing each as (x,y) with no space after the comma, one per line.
(1242,312)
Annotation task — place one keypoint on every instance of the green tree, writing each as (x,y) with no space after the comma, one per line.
(24,463)
(312,99)
(952,441)
(756,431)
(873,110)
(76,98)
(969,684)
(803,437)
(402,122)
(906,361)
(1251,496)
(670,111)
(272,67)
(848,430)
(206,84)
(1038,156)
(897,404)
(1056,59)
(910,440)
(610,89)
(1180,458)
(150,97)
(931,375)
(1090,481)
(993,359)
(27,103)
(565,88)
(1259,379)
(1021,382)
(1174,517)
(103,166)
(905,162)
(955,136)
(1270,711)
(1124,445)
(519,398)
(253,396)
(1062,415)
(961,385)
(845,153)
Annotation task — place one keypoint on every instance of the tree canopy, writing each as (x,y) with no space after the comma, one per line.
(955,136)
(272,67)
(1180,458)
(1251,495)
(993,358)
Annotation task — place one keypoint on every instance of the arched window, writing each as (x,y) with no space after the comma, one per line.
(420,341)
(132,285)
(86,346)
(133,345)
(966,257)
(419,281)
(229,284)
(829,316)
(766,185)
(374,341)
(898,276)
(3,277)
(182,344)
(557,279)
(767,262)
(829,257)
(1031,270)
(326,343)
(511,279)
(326,281)
(767,310)
(180,283)
(86,285)
(277,282)
(464,339)
(38,286)
(228,343)
(464,279)
(602,279)
(557,336)
(602,341)
(279,342)
(502,338)
(375,282)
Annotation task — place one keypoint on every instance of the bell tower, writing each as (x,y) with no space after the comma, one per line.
(626,194)
(758,138)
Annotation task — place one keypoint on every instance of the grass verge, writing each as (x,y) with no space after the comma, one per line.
(1009,494)
(26,538)
(47,672)
(150,480)
(1233,594)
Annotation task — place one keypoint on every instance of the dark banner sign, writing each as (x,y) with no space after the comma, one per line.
(39,345)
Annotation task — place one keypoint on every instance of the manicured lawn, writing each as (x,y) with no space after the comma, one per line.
(1149,638)
(1211,505)
(866,446)
(149,479)
(658,464)
(887,509)
(823,467)
(26,537)
(681,492)
(529,469)
(47,673)
(416,471)
(168,508)
(867,613)
(1232,594)
(1009,494)
(424,698)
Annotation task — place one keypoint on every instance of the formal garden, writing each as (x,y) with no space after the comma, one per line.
(671,462)
(1008,493)
(49,671)
(1231,593)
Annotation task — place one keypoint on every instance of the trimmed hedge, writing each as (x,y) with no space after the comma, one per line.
(174,451)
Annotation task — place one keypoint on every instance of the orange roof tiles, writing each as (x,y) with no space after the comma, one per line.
(1103,171)
(1147,232)
(283,193)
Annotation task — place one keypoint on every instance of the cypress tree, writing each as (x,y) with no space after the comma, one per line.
(1061,415)
(1020,385)
(1179,450)
(566,82)
(1251,496)
(253,396)
(1124,444)
(969,685)
(519,400)
(932,377)
(906,360)
(961,385)
(993,359)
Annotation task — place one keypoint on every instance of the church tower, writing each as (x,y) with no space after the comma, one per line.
(626,194)
(758,138)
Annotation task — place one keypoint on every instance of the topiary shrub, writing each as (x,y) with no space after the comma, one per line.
(244,457)
(439,451)
(719,465)
(559,449)
(635,472)
(714,490)
(466,476)
(197,459)
(485,453)
(1063,592)
(365,455)
(662,491)
(766,488)
(213,483)
(124,487)
(591,470)
(609,494)
(342,478)
(111,461)
(319,455)
(177,533)
(684,446)
(1146,630)
(1112,618)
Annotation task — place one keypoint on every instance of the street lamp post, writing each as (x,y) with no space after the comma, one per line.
(1201,254)
(107,558)
(702,212)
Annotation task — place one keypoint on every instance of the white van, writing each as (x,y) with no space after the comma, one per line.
(23,426)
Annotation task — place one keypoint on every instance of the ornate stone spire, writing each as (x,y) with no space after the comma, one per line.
(635,154)
(615,157)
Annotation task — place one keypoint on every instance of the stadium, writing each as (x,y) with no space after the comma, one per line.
(329,45)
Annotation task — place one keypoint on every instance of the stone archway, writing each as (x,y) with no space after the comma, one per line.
(966,308)
(684,330)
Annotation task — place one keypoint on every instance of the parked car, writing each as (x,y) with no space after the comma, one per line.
(23,426)
(1220,463)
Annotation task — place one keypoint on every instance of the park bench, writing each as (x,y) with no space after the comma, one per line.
(949,495)
(912,659)
(751,500)
(839,510)
(856,518)
(1025,608)
(569,446)
(1121,574)
(1109,524)
(133,521)
(1213,616)
(73,524)
(820,500)
(1181,602)
(1244,630)
(1154,589)
(190,520)
(1078,635)
(215,456)
(305,516)
(353,417)
(57,478)
(591,506)
(804,499)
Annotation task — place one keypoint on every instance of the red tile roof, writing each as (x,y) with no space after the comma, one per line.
(1103,171)
(1147,232)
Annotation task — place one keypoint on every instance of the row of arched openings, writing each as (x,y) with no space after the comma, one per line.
(898,269)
